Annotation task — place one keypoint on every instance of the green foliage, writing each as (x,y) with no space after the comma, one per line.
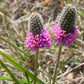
(68,61)
(27,77)
(9,72)
(21,51)
(67,21)
(21,81)
(19,67)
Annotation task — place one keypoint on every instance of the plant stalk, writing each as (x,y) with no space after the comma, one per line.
(57,64)
(36,65)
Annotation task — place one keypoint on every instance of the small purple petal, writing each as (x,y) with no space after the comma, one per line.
(38,41)
(61,37)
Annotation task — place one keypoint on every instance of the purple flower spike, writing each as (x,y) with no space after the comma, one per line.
(37,36)
(38,41)
(64,32)
(62,37)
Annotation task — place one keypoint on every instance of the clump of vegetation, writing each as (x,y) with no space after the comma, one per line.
(41,42)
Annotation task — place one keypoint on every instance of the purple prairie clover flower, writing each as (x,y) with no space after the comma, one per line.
(62,37)
(64,32)
(33,42)
(37,36)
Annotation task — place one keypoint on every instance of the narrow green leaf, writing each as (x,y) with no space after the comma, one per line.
(19,67)
(27,77)
(22,81)
(33,79)
(21,61)
(26,54)
(65,62)
(74,59)
(9,72)
(69,59)
(14,46)
(5,78)
(27,63)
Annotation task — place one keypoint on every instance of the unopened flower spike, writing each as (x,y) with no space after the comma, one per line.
(37,36)
(65,31)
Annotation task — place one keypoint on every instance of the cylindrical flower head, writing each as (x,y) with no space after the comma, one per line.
(64,32)
(67,18)
(37,36)
(35,23)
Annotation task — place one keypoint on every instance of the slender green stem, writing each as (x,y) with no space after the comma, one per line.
(57,63)
(36,64)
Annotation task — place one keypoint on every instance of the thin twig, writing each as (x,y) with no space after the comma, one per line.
(75,68)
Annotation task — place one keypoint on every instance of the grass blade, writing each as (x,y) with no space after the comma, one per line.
(27,77)
(19,67)
(22,81)
(26,54)
(9,72)
(21,61)
(14,46)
